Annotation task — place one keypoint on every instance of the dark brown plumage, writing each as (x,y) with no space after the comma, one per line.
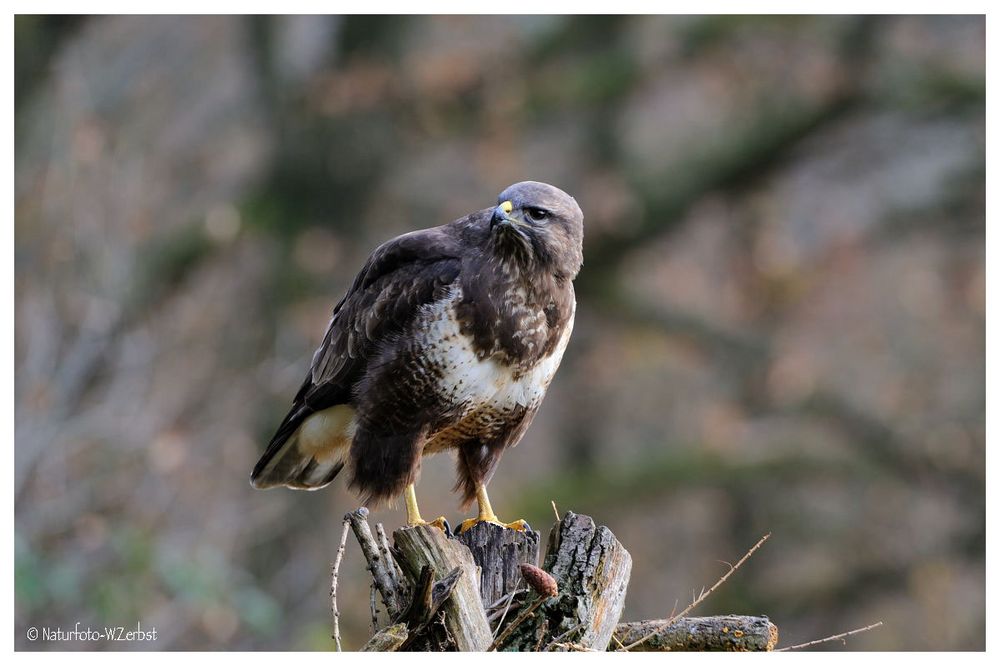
(447,340)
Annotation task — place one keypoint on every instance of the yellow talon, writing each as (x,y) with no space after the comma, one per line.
(486,515)
(520,525)
(413,518)
(438,522)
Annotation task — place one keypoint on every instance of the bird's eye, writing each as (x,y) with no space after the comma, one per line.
(536,214)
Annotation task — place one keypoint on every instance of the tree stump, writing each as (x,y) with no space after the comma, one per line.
(499,552)
(427,548)
(592,570)
(447,593)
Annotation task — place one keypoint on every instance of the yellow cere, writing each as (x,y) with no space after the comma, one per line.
(507,206)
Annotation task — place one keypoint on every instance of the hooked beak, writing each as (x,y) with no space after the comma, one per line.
(501,214)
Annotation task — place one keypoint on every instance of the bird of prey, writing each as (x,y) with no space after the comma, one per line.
(447,340)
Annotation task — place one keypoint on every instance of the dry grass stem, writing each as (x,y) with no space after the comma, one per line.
(494,610)
(573,647)
(510,598)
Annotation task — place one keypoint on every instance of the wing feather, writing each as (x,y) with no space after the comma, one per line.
(401,275)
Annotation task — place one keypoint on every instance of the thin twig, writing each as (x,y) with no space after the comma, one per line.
(494,615)
(541,634)
(504,615)
(565,634)
(371,600)
(574,647)
(494,610)
(555,510)
(383,540)
(497,642)
(702,595)
(383,544)
(840,637)
(334,572)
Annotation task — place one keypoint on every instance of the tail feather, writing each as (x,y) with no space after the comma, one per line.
(288,466)
(308,450)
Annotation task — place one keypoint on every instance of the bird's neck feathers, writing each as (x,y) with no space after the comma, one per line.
(531,255)
(513,250)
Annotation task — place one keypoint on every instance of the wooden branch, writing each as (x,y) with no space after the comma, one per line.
(729,633)
(499,552)
(383,547)
(388,640)
(334,576)
(381,564)
(464,616)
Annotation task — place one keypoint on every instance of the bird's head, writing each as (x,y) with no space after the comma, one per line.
(539,224)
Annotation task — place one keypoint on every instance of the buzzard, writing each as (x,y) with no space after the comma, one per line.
(447,340)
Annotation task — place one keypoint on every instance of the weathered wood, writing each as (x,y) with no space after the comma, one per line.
(499,552)
(464,615)
(545,587)
(388,639)
(419,610)
(729,633)
(428,597)
(592,569)
(381,564)
(383,547)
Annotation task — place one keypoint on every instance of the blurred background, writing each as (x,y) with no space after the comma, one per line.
(780,324)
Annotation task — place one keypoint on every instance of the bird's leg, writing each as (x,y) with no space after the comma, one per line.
(486,514)
(413,512)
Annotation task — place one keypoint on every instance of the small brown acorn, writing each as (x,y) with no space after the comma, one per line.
(539,580)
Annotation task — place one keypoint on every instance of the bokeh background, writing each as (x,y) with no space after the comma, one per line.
(780,324)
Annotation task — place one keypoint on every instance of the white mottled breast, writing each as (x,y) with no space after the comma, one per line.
(475,383)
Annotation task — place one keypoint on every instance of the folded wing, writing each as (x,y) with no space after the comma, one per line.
(310,445)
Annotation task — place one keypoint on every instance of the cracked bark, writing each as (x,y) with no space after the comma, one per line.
(592,570)
(725,633)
